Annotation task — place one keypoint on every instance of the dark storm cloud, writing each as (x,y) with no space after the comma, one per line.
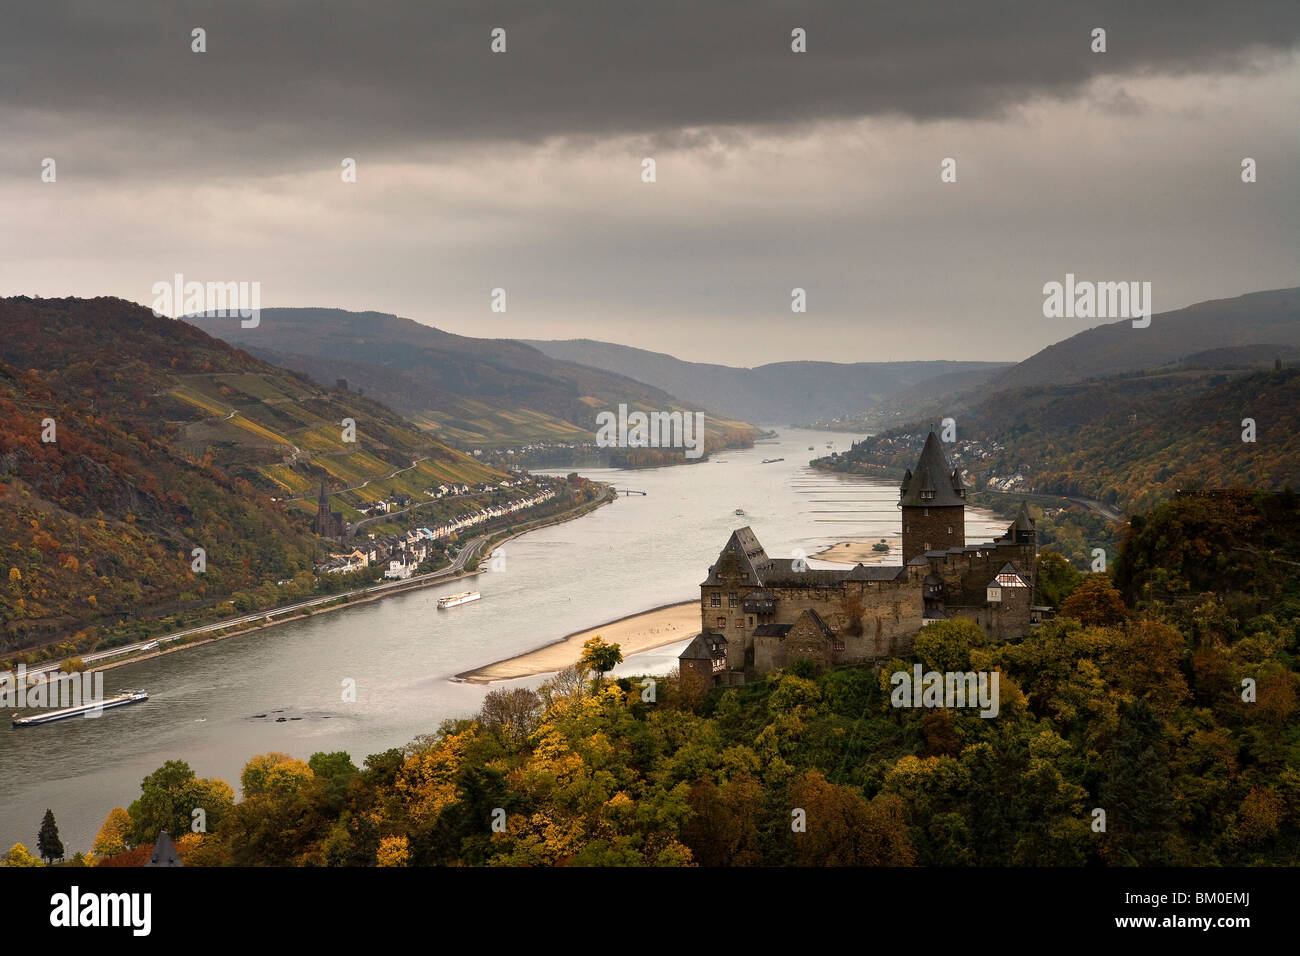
(286,82)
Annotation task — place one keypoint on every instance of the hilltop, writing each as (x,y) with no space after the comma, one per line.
(780,393)
(471,392)
(166,440)
(1270,318)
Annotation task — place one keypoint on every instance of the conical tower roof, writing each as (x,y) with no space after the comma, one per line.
(932,483)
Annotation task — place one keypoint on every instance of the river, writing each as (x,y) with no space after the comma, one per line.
(402,653)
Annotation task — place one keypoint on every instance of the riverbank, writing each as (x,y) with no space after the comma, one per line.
(357,597)
(638,632)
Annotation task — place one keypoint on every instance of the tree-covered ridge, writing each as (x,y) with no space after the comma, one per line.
(1174,718)
(475,393)
(166,440)
(1127,441)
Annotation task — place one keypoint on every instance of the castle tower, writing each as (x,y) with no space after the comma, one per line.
(933,502)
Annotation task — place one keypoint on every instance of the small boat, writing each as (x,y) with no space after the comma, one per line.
(740,511)
(455,600)
(810,447)
(768,461)
(128,697)
(830,444)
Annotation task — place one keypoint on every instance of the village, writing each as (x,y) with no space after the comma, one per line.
(405,552)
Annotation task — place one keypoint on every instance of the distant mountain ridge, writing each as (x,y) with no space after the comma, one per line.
(780,393)
(1251,330)
(1258,318)
(470,391)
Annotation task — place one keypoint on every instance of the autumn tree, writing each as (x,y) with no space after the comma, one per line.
(1095,601)
(19,855)
(393,851)
(274,774)
(844,829)
(723,829)
(113,835)
(511,715)
(601,657)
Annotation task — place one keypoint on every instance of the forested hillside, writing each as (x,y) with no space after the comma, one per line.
(779,393)
(1157,732)
(468,391)
(166,440)
(1128,441)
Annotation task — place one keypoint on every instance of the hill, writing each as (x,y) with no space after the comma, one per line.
(165,440)
(1259,318)
(1136,709)
(1126,442)
(473,392)
(781,393)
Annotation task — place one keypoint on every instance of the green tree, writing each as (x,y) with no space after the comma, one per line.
(1136,793)
(946,645)
(1056,578)
(600,657)
(168,798)
(47,841)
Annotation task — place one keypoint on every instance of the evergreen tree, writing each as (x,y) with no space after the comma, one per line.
(1136,793)
(48,843)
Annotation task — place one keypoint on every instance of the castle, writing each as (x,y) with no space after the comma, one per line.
(758,613)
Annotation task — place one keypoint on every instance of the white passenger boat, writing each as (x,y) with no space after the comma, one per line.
(455,600)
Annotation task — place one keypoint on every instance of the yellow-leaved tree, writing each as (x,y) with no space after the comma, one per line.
(112,836)
(393,851)
(19,855)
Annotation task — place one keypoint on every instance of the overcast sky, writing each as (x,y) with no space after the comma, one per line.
(775,169)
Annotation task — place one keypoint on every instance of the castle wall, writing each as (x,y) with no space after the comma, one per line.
(1001,621)
(892,612)
(769,655)
(967,574)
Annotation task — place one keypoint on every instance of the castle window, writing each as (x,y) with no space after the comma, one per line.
(927,512)
(739,623)
(751,620)
(722,624)
(950,529)
(715,599)
(733,600)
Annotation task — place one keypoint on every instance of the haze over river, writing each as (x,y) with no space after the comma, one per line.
(627,557)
